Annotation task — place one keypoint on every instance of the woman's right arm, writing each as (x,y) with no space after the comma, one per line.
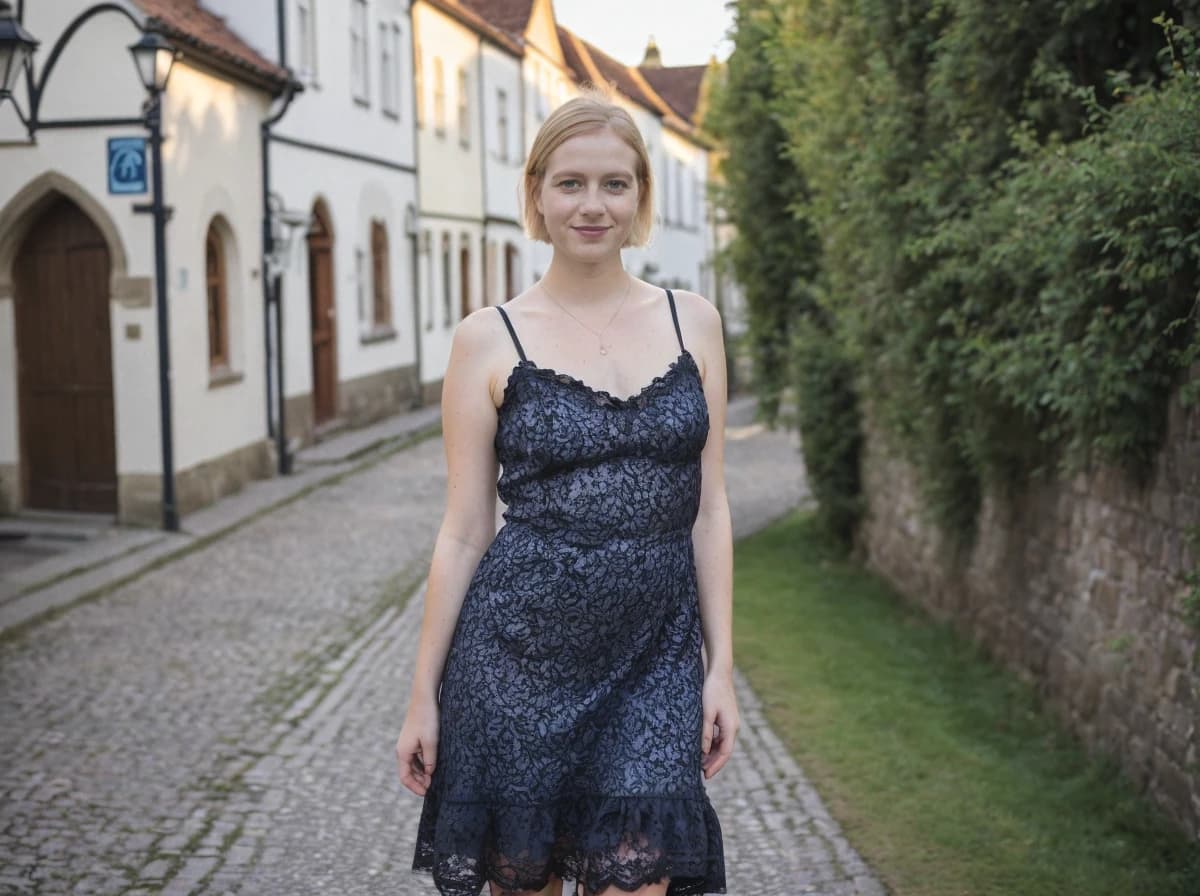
(468,527)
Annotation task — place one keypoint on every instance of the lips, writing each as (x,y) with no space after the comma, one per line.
(591,231)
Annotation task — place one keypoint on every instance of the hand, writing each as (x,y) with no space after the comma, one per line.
(720,722)
(416,747)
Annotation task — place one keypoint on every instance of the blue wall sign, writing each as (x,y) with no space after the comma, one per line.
(127,165)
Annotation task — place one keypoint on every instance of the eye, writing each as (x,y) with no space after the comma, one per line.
(617,185)
(569,183)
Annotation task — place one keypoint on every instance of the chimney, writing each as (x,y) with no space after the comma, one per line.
(652,59)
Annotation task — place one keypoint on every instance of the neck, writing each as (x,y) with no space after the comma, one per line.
(576,285)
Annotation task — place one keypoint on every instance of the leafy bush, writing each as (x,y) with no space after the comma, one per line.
(995,219)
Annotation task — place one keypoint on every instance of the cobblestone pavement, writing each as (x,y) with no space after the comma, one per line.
(225,723)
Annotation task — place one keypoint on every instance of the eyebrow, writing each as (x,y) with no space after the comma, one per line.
(614,173)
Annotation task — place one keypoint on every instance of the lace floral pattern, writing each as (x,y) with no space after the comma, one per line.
(570,701)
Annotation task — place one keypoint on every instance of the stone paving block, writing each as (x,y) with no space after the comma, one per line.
(253,690)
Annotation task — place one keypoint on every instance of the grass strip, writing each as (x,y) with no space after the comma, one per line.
(942,768)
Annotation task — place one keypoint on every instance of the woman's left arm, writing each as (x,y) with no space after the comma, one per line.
(712,538)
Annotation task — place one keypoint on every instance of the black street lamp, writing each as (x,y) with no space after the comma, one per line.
(282,227)
(153,57)
(16,49)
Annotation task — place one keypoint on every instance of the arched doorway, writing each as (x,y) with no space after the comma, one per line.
(64,363)
(323,314)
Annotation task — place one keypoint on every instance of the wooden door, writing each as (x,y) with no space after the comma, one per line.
(323,306)
(64,364)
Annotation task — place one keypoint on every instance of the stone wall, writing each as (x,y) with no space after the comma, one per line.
(1077,586)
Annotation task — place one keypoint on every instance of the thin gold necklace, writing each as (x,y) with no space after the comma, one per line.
(599,334)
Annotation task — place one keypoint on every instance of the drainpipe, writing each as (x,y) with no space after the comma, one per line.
(483,183)
(418,391)
(272,285)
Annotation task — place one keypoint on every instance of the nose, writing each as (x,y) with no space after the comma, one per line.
(591,203)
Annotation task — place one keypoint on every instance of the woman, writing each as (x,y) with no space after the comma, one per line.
(563,714)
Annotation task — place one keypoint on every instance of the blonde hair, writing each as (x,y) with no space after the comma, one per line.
(584,114)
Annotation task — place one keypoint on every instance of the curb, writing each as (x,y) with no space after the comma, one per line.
(43,590)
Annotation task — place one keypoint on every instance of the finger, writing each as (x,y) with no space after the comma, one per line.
(410,780)
(706,735)
(429,754)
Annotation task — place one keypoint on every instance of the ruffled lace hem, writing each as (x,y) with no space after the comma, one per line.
(604,841)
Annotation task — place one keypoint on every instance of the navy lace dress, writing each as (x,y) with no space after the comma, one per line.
(570,701)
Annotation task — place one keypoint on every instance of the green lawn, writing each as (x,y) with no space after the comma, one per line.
(939,766)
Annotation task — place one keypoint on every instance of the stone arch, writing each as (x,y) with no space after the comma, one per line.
(26,206)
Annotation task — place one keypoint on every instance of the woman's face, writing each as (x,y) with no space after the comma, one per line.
(589,195)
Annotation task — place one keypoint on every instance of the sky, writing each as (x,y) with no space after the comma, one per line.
(687,31)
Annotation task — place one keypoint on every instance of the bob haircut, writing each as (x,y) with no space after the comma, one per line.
(582,115)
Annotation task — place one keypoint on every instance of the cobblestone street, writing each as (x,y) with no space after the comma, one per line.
(225,723)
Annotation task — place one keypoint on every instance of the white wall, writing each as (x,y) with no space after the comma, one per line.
(354,195)
(212,125)
(211,129)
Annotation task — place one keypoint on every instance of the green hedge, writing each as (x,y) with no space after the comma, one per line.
(994,223)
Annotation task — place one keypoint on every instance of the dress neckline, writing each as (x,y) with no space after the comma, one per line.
(607,397)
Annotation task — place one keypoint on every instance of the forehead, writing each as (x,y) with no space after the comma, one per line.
(601,148)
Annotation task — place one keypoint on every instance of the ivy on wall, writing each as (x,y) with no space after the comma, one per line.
(990,214)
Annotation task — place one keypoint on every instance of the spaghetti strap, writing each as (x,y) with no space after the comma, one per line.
(675,318)
(513,333)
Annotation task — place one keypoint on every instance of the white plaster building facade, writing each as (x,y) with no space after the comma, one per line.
(448,88)
(507,262)
(344,154)
(79,351)
(397,131)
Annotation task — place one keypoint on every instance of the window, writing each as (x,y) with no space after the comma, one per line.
(667,190)
(464,277)
(679,202)
(387,71)
(306,41)
(502,125)
(419,85)
(439,97)
(216,290)
(360,287)
(427,280)
(358,49)
(697,203)
(464,108)
(447,272)
(381,280)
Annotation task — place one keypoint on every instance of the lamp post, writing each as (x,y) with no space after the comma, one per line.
(153,58)
(16,50)
(282,227)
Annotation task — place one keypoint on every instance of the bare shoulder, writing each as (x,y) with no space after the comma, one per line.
(481,350)
(702,329)
(699,312)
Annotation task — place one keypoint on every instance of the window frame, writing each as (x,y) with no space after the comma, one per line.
(439,97)
(306,41)
(464,107)
(502,137)
(464,275)
(218,310)
(381,276)
(360,63)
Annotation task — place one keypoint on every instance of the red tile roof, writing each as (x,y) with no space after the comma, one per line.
(464,12)
(194,28)
(678,85)
(588,61)
(508,15)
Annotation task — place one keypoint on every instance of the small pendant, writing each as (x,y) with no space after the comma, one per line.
(603,349)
